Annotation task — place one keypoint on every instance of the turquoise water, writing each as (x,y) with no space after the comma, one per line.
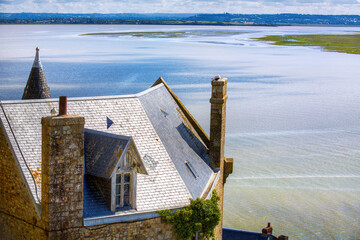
(293,116)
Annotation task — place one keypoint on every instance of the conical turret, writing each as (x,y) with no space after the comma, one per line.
(36,87)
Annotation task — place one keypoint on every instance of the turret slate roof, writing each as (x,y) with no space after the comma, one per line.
(36,87)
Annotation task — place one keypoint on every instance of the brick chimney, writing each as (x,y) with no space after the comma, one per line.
(217,121)
(62,170)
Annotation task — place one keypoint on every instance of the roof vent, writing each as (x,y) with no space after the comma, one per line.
(109,122)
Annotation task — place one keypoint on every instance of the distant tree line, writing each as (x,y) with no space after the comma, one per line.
(288,19)
(116,21)
(179,19)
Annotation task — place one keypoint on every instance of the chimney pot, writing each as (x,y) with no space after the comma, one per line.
(217,77)
(62,105)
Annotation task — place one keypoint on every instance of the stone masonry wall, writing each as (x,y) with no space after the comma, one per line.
(18,217)
(217,138)
(148,229)
(220,191)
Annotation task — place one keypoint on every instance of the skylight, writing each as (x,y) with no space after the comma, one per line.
(192,169)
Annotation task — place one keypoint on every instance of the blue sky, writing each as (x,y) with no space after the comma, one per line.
(183,6)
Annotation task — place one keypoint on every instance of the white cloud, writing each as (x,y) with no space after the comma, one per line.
(183,6)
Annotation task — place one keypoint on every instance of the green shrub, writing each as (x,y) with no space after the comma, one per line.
(200,216)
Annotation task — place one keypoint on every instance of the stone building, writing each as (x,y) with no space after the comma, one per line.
(101,167)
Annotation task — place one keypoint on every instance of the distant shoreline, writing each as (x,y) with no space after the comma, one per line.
(123,22)
(223,19)
(183,24)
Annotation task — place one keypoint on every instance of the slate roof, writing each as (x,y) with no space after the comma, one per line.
(94,202)
(101,152)
(169,183)
(36,87)
(181,141)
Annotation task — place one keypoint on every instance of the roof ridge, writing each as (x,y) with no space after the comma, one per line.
(68,99)
(92,131)
(136,95)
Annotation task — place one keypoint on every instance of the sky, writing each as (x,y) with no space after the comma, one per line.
(183,6)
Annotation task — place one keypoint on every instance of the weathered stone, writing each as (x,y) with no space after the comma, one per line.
(57,138)
(217,121)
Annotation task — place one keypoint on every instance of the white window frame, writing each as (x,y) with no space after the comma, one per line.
(121,172)
(121,195)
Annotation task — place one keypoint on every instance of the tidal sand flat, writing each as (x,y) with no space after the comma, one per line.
(171,34)
(336,43)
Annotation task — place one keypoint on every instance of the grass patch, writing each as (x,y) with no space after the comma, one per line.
(334,43)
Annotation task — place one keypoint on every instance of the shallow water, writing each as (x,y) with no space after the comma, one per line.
(293,124)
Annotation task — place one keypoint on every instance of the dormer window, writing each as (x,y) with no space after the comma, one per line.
(125,182)
(114,163)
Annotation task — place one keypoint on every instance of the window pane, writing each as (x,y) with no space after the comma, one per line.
(126,201)
(126,189)
(118,178)
(126,177)
(118,189)
(117,198)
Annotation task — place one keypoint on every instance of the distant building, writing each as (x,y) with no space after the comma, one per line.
(100,167)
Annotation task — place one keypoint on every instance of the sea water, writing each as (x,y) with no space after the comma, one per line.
(293,116)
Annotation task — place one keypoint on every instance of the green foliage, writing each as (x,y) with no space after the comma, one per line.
(200,216)
(339,43)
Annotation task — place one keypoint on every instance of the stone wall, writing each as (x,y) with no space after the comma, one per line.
(18,217)
(146,229)
(217,139)
(220,191)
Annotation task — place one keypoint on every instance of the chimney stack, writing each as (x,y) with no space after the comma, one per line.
(62,171)
(267,230)
(217,121)
(62,105)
